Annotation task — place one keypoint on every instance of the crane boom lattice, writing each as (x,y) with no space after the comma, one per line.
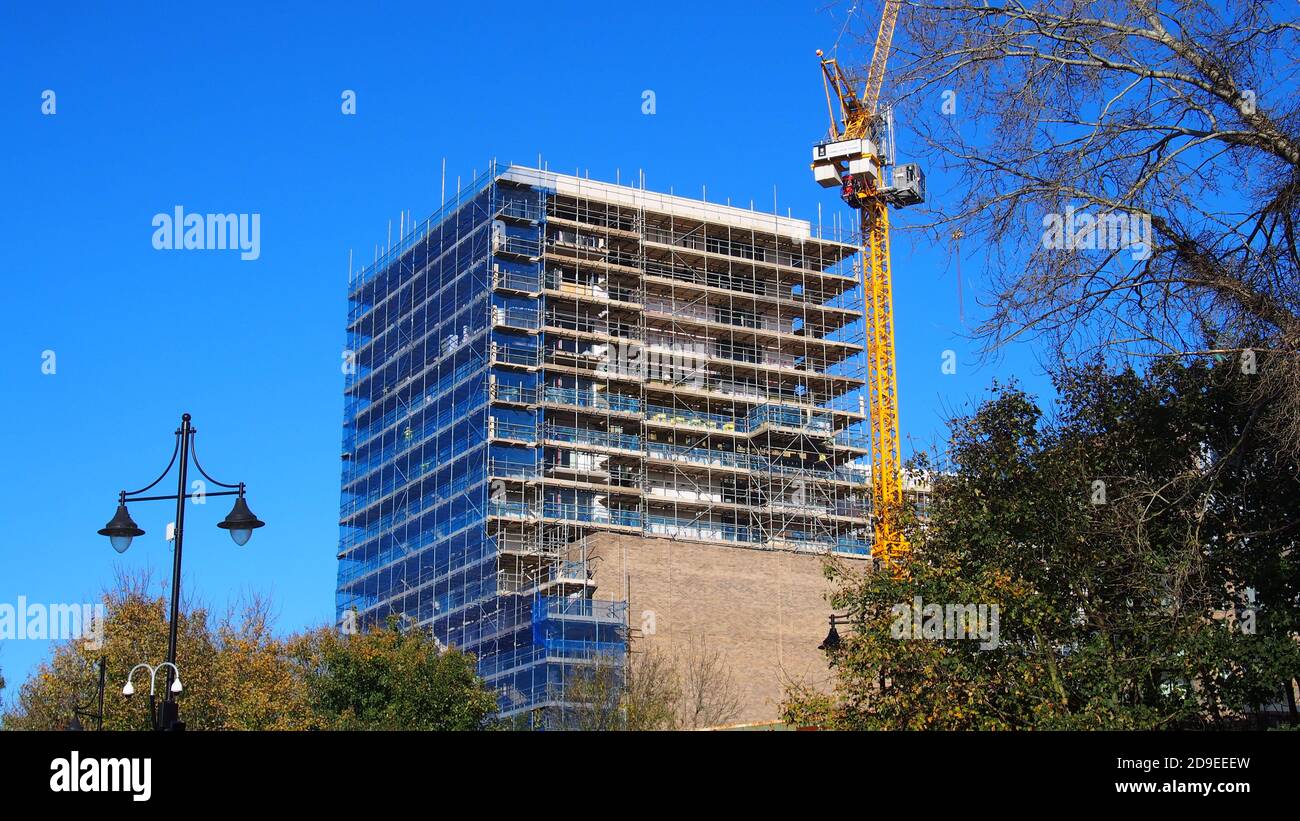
(855,160)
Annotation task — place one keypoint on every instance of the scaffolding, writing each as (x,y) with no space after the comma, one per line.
(548,357)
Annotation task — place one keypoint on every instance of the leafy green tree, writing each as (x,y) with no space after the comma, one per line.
(391,678)
(1140,548)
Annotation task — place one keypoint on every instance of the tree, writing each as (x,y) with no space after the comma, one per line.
(230,671)
(709,696)
(1140,548)
(238,675)
(390,678)
(649,690)
(262,689)
(594,698)
(653,689)
(1132,168)
(640,692)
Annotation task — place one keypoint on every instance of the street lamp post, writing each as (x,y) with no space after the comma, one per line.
(158,720)
(79,711)
(121,529)
(832,641)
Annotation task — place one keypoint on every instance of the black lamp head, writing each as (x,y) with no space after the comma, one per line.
(240,521)
(121,529)
(832,640)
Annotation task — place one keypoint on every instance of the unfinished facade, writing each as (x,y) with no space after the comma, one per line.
(549,358)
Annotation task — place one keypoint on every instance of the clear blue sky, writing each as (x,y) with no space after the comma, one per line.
(236,108)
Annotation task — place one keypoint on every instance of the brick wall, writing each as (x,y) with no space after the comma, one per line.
(764,610)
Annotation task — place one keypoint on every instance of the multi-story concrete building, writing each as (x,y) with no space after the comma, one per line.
(555,380)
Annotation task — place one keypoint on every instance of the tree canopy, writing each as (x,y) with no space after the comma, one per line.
(1140,549)
(1162,136)
(390,679)
(238,674)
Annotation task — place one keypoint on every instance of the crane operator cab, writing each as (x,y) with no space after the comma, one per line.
(855,167)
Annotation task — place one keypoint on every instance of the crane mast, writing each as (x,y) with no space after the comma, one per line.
(858,159)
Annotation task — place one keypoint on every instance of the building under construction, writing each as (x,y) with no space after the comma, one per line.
(558,386)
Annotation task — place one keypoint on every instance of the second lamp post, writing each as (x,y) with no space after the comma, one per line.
(121,529)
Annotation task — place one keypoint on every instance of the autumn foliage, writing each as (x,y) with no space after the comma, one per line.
(239,675)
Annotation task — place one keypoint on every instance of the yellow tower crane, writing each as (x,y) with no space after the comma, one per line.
(858,158)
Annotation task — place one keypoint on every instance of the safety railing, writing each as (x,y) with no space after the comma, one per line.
(816,297)
(701,530)
(598,438)
(733,248)
(516,394)
(804,419)
(509,510)
(705,457)
(696,419)
(504,279)
(516,355)
(592,399)
(501,429)
(559,607)
(518,246)
(850,438)
(519,209)
(515,470)
(523,318)
(593,325)
(681,309)
(592,514)
(552,282)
